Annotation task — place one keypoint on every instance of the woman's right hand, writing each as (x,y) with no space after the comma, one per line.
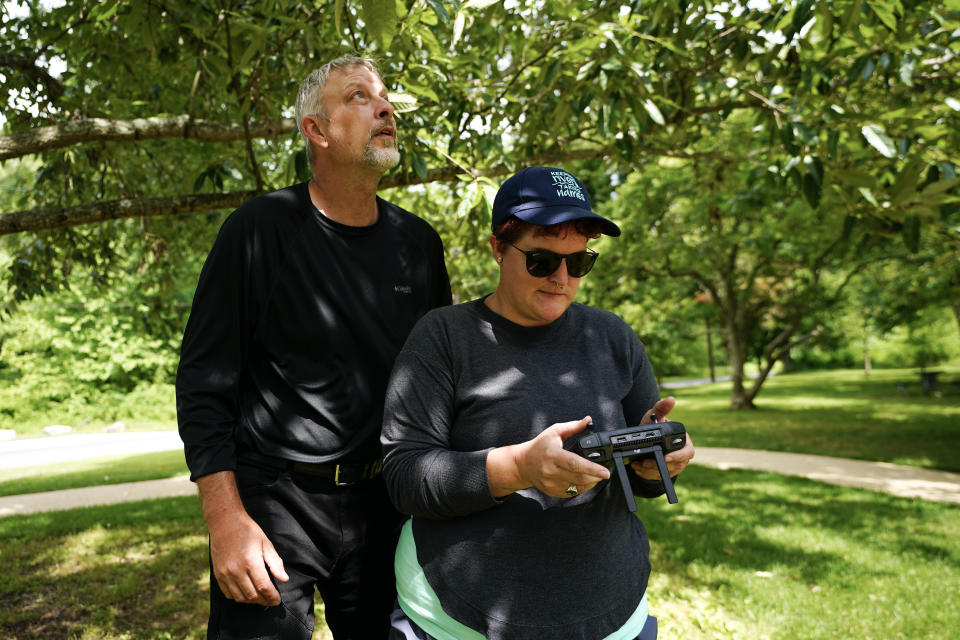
(544,463)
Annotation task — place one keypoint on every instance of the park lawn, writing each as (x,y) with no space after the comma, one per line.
(836,413)
(833,413)
(92,472)
(742,555)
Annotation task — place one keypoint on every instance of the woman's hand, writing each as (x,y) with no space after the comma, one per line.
(544,463)
(676,460)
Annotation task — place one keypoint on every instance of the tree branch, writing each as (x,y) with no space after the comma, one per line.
(65,134)
(31,68)
(40,219)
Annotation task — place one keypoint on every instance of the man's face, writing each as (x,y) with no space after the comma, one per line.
(360,125)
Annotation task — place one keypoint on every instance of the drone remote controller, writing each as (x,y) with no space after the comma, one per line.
(620,447)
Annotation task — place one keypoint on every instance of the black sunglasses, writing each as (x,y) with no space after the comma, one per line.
(541,263)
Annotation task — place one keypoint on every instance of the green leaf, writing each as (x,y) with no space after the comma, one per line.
(552,71)
(470,199)
(911,233)
(479,4)
(855,178)
(653,111)
(940,186)
(458,24)
(380,16)
(906,69)
(439,10)
(402,102)
(338,7)
(906,185)
(802,14)
(879,140)
(849,223)
(104,10)
(868,196)
(255,47)
(852,15)
(811,190)
(419,165)
(885,11)
(586,70)
(422,91)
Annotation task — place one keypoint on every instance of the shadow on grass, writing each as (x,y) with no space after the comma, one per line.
(137,570)
(749,521)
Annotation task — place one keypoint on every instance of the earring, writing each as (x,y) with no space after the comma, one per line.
(500,260)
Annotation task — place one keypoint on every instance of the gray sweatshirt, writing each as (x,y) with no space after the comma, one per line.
(527,566)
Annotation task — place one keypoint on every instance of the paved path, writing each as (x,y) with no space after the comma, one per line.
(895,479)
(28,452)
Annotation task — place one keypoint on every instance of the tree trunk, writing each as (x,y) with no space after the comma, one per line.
(956,311)
(867,363)
(713,368)
(739,397)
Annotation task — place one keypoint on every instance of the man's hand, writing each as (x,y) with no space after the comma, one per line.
(241,554)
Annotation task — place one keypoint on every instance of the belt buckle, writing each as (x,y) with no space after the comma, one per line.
(336,478)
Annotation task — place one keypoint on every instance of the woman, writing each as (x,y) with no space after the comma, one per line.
(512,537)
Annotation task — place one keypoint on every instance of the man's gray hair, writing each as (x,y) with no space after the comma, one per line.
(310,96)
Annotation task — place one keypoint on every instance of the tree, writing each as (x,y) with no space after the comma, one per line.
(732,221)
(166,108)
(145,81)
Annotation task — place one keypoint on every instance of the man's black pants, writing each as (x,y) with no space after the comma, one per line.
(340,540)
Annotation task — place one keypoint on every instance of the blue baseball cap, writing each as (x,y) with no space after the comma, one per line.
(545,196)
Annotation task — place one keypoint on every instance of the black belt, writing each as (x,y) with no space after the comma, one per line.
(342,473)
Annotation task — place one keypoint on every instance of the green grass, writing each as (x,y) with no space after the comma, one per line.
(756,555)
(92,472)
(833,413)
(742,555)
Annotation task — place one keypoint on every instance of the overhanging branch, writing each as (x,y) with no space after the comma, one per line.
(40,219)
(56,136)
(30,67)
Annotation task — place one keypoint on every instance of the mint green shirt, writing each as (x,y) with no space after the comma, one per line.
(419,601)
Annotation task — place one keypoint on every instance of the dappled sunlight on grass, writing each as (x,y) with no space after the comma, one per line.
(103,571)
(694,613)
(742,555)
(770,550)
(134,570)
(833,413)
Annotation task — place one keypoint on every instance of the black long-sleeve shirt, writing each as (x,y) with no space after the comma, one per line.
(295,325)
(469,380)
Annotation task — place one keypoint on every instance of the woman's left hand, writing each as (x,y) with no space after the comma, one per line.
(676,460)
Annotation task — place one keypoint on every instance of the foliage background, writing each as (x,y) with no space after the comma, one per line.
(785,172)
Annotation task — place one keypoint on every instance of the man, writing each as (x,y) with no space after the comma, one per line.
(302,305)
